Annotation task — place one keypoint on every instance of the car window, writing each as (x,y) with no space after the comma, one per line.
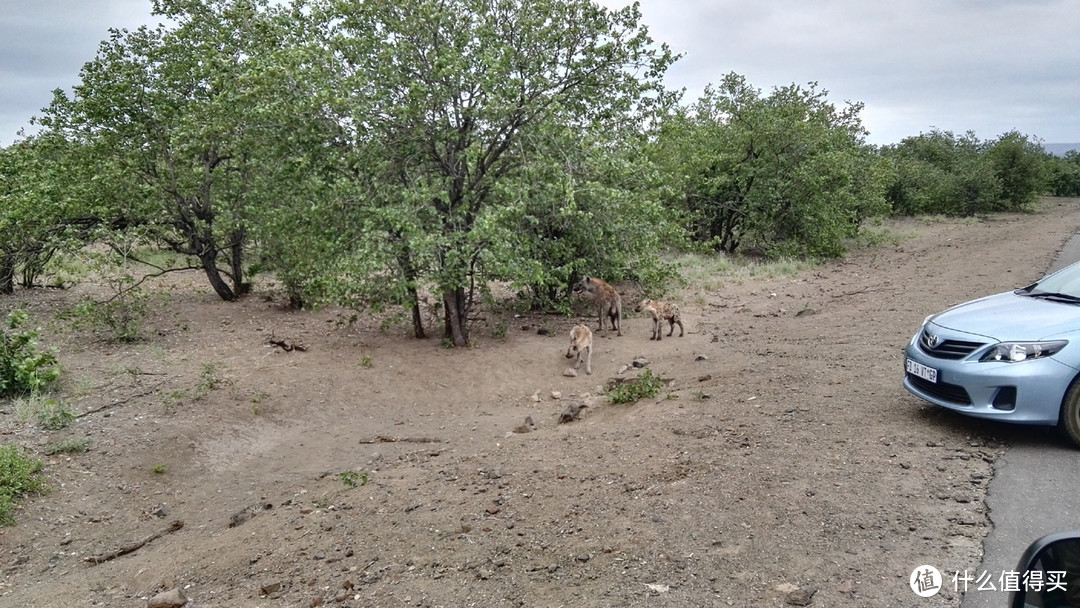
(1066,281)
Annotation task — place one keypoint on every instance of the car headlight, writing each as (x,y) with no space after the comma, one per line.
(1013,352)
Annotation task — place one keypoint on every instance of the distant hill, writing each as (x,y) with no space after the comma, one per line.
(1060,149)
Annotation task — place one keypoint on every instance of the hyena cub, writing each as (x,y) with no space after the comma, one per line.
(581,342)
(660,312)
(605,298)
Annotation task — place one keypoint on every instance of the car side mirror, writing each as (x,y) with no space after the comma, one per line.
(1049,573)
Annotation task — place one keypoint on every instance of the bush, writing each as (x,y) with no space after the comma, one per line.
(18,476)
(644,386)
(23,368)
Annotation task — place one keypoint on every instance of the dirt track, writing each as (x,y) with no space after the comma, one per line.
(784,462)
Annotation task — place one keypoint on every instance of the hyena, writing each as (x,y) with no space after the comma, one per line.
(581,342)
(660,312)
(605,298)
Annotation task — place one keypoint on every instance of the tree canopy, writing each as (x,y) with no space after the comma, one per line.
(409,154)
(787,173)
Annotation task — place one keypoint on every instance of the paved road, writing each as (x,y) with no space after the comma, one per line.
(1034,491)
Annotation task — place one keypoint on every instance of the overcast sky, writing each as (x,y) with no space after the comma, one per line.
(988,66)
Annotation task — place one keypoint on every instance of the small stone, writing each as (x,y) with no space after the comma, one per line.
(173,598)
(800,597)
(556,395)
(704,378)
(570,414)
(701,358)
(640,362)
(570,372)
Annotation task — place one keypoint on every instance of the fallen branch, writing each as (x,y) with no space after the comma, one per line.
(149,391)
(94,560)
(859,291)
(387,439)
(287,346)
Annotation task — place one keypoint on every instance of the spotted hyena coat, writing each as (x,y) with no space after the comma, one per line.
(660,312)
(605,298)
(581,344)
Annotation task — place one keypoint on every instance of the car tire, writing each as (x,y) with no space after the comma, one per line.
(1069,422)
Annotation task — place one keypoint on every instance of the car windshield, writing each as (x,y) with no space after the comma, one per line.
(1063,284)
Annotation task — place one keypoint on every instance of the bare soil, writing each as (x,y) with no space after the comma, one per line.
(782,464)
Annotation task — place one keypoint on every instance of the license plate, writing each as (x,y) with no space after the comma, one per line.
(920,370)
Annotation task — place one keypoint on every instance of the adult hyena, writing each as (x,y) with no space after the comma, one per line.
(660,312)
(581,343)
(605,298)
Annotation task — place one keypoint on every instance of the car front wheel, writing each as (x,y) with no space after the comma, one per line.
(1069,422)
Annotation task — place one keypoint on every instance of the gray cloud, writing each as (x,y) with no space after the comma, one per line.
(44,44)
(990,66)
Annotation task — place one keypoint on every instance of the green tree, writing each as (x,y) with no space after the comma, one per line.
(942,173)
(38,214)
(447,102)
(1063,177)
(1020,166)
(593,210)
(165,117)
(787,173)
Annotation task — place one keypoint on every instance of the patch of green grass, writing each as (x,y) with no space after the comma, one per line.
(629,391)
(173,399)
(208,381)
(68,446)
(351,479)
(877,236)
(159,469)
(18,477)
(46,413)
(710,272)
(55,416)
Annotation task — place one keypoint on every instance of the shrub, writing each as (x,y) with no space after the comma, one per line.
(18,476)
(23,368)
(644,386)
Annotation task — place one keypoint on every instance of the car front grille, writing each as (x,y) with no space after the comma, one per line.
(947,349)
(941,390)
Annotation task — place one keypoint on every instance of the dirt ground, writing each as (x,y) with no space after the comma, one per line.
(783,464)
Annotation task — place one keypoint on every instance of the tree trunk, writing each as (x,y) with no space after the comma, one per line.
(209,264)
(7,274)
(237,262)
(417,320)
(409,272)
(457,327)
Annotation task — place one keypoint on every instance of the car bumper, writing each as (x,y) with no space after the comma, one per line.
(1028,392)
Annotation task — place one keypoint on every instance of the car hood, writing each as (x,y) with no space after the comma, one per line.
(1008,316)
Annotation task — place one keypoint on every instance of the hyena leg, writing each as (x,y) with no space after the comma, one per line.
(588,360)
